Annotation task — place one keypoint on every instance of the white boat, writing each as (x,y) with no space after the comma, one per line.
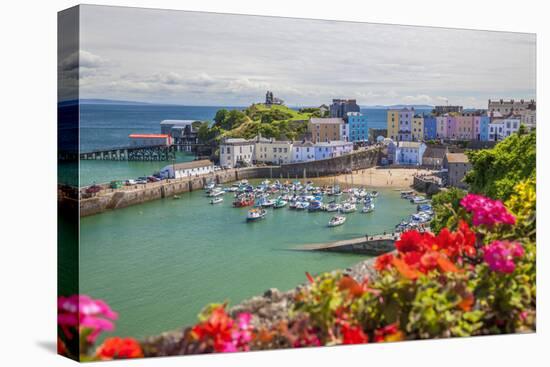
(333,207)
(266,203)
(374,194)
(368,208)
(215,192)
(405,194)
(280,203)
(216,200)
(419,200)
(301,205)
(337,220)
(256,214)
(348,208)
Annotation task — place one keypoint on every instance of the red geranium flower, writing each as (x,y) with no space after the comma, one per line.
(383,262)
(353,335)
(119,348)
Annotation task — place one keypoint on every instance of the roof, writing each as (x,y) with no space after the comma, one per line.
(333,143)
(456,158)
(435,152)
(177,122)
(236,141)
(190,165)
(409,144)
(148,136)
(328,120)
(304,144)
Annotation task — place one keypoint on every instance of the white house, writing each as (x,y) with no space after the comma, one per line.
(272,151)
(187,169)
(332,149)
(409,152)
(303,152)
(234,152)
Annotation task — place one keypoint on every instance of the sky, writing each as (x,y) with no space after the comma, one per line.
(194,58)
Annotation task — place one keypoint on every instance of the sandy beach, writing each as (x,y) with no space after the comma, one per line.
(401,178)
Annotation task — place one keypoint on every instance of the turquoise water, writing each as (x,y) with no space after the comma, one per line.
(159,263)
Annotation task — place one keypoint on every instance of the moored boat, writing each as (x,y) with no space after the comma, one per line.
(333,207)
(280,203)
(368,208)
(348,208)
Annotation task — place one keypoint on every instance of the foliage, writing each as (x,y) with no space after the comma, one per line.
(496,171)
(445,205)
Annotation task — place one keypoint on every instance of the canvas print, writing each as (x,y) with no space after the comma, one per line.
(232,183)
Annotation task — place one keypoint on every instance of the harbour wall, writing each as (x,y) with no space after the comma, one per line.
(109,199)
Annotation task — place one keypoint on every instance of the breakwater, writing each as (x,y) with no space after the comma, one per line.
(109,199)
(373,245)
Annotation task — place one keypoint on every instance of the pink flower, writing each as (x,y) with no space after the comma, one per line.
(500,255)
(81,311)
(487,211)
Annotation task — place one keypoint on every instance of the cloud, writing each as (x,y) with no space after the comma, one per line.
(207,58)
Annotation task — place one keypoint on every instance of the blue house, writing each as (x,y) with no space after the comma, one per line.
(484,128)
(430,127)
(358,128)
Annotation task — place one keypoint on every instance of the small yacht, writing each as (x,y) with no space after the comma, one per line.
(333,207)
(337,220)
(348,208)
(368,208)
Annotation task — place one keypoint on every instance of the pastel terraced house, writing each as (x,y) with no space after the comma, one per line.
(405,124)
(332,149)
(409,153)
(417,128)
(358,127)
(303,152)
(430,127)
(392,117)
(325,129)
(272,151)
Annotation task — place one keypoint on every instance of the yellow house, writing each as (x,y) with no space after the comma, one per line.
(393,124)
(418,128)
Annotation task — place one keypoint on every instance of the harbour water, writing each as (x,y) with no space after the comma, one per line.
(159,263)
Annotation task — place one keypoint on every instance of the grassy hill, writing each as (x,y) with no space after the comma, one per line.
(271,121)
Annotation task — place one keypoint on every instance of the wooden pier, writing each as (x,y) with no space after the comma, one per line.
(373,245)
(142,153)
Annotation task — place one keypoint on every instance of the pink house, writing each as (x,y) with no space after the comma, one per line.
(464,127)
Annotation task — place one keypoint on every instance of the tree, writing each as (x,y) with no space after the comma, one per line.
(496,171)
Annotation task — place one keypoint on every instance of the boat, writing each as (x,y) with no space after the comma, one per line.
(337,220)
(216,200)
(407,193)
(374,194)
(314,205)
(292,204)
(368,208)
(215,192)
(244,200)
(210,185)
(333,207)
(419,200)
(256,214)
(301,205)
(348,208)
(266,202)
(176,197)
(280,203)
